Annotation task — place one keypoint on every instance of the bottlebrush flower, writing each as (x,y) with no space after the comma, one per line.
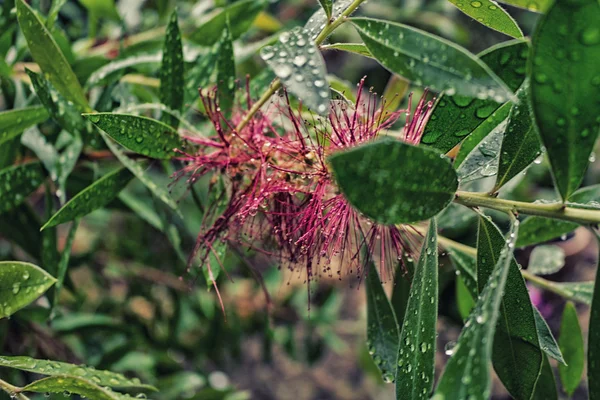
(282,198)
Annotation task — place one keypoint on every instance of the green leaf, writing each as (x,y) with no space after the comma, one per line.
(63,263)
(416,355)
(571,345)
(200,75)
(356,48)
(546,260)
(464,300)
(14,122)
(226,73)
(517,357)
(75,385)
(393,182)
(593,356)
(47,54)
(455,117)
(102,8)
(467,373)
(319,19)
(53,368)
(171,72)
(28,236)
(107,73)
(382,328)
(546,386)
(532,5)
(547,341)
(430,61)
(296,60)
(327,7)
(142,135)
(241,16)
(17,182)
(490,14)
(53,13)
(521,145)
(22,283)
(565,88)
(401,291)
(95,196)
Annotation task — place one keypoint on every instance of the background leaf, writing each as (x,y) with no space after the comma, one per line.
(22,283)
(226,73)
(571,345)
(490,14)
(171,72)
(536,5)
(16,183)
(546,259)
(73,384)
(14,122)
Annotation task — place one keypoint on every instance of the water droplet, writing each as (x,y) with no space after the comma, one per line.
(300,60)
(476,4)
(283,71)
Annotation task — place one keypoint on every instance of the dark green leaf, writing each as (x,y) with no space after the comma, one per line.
(547,341)
(455,117)
(318,20)
(171,72)
(226,73)
(565,88)
(22,283)
(593,356)
(546,259)
(241,16)
(95,196)
(200,75)
(571,345)
(546,385)
(393,182)
(490,14)
(520,146)
(75,385)
(416,355)
(142,135)
(466,268)
(400,293)
(14,122)
(63,263)
(28,237)
(516,356)
(467,373)
(382,328)
(16,183)
(327,6)
(532,5)
(430,61)
(47,54)
(296,60)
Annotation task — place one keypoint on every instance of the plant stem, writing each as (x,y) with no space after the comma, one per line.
(553,210)
(276,84)
(13,391)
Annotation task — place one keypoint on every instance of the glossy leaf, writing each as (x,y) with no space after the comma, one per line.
(546,259)
(171,72)
(49,57)
(17,182)
(455,117)
(427,60)
(296,60)
(416,355)
(565,88)
(547,341)
(520,145)
(546,385)
(226,73)
(383,335)
(571,345)
(490,14)
(467,373)
(142,135)
(241,15)
(318,20)
(200,75)
(393,182)
(75,385)
(593,355)
(22,283)
(14,122)
(532,5)
(95,196)
(517,357)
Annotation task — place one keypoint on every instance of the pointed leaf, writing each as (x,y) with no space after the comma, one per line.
(16,183)
(537,5)
(546,386)
(142,135)
(402,283)
(430,61)
(14,122)
(464,300)
(327,6)
(76,385)
(171,72)
(565,88)
(200,75)
(63,263)
(47,54)
(226,73)
(318,20)
(547,340)
(593,356)
(296,60)
(356,48)
(416,355)
(95,196)
(571,345)
(490,14)
(21,284)
(393,182)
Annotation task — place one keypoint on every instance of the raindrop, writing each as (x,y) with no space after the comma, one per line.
(449,348)
(300,60)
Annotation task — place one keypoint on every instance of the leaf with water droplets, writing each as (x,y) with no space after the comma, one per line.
(416,355)
(546,259)
(454,117)
(74,385)
(14,122)
(317,22)
(547,340)
(199,76)
(467,373)
(226,73)
(17,182)
(427,60)
(53,368)
(393,182)
(571,344)
(327,7)
(299,64)
(593,356)
(490,14)
(241,16)
(382,327)
(171,72)
(521,143)
(47,54)
(565,88)
(21,284)
(95,196)
(142,135)
(539,6)
(517,357)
